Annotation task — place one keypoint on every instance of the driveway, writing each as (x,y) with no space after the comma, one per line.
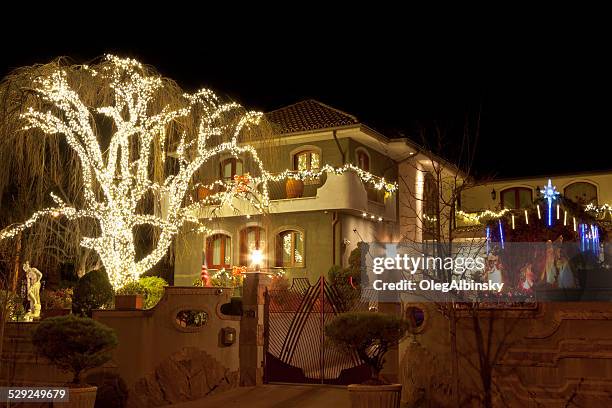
(275,396)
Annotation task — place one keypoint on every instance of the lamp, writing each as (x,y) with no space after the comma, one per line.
(493,194)
(256,257)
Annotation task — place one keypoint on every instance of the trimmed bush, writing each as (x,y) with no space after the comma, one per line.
(74,344)
(154,288)
(93,291)
(151,287)
(368,334)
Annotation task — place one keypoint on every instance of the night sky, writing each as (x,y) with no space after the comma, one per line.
(543,101)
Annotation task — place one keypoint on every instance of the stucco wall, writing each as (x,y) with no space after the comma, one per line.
(478,198)
(149,338)
(541,356)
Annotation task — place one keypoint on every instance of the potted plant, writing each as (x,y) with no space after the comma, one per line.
(294,188)
(75,344)
(370,335)
(130,296)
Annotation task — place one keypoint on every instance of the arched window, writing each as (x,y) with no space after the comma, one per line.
(581,192)
(231,167)
(251,238)
(306,160)
(516,197)
(219,251)
(363,160)
(289,249)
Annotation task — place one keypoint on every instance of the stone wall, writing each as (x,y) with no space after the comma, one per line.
(546,355)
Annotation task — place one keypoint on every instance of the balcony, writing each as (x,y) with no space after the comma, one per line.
(331,192)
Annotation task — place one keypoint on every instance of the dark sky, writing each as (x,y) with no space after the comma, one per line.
(544,100)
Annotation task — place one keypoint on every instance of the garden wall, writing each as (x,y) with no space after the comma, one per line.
(163,360)
(550,354)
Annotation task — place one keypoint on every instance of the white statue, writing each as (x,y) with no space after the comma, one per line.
(33,277)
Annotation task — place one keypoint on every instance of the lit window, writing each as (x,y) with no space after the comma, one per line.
(251,238)
(230,168)
(289,249)
(363,160)
(516,198)
(219,251)
(581,193)
(306,160)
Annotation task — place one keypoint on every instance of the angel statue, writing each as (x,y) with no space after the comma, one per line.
(33,277)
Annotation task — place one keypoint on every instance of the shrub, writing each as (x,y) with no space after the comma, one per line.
(154,288)
(12,304)
(132,288)
(151,287)
(56,299)
(93,291)
(74,344)
(369,335)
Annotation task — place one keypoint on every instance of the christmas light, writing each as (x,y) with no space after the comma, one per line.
(526,218)
(501,233)
(539,215)
(117,179)
(550,193)
(574,218)
(485,214)
(564,217)
(512,221)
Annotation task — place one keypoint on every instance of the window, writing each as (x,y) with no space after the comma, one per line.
(289,249)
(363,160)
(251,238)
(516,198)
(230,168)
(219,251)
(306,160)
(581,192)
(431,206)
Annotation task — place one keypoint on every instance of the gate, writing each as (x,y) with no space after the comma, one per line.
(295,344)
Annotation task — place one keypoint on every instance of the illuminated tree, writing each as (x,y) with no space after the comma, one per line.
(120,147)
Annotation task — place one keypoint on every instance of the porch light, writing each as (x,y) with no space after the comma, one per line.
(256,257)
(493,194)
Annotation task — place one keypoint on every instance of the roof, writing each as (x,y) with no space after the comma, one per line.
(309,115)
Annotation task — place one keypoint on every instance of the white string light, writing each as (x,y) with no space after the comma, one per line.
(123,175)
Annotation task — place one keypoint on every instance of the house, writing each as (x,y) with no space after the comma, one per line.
(308,234)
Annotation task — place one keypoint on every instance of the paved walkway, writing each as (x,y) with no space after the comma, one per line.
(275,396)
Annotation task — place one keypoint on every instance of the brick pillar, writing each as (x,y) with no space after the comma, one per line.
(252,328)
(391,370)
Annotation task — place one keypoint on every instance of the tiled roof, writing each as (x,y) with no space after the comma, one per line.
(308,115)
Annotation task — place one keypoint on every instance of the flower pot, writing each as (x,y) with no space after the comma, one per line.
(203,192)
(294,188)
(375,396)
(55,312)
(79,398)
(128,302)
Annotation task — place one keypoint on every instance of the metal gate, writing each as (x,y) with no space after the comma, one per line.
(295,344)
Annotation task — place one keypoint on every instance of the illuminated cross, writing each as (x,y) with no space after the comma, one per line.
(550,193)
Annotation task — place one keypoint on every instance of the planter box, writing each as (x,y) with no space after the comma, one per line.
(375,396)
(79,398)
(128,302)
